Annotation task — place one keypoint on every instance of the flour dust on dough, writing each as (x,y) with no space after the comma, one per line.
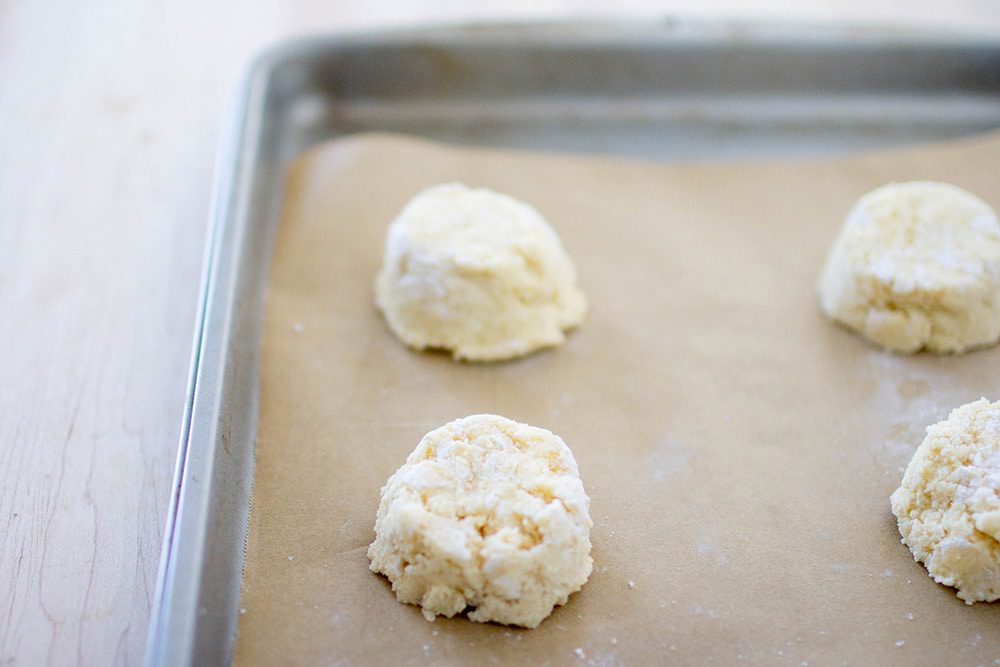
(477,273)
(486,516)
(948,505)
(917,267)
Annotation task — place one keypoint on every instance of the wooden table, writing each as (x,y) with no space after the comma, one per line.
(109,116)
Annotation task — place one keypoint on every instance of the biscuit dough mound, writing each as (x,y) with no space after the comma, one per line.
(948,506)
(917,267)
(477,273)
(487,516)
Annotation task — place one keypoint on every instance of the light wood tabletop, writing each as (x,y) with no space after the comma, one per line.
(109,118)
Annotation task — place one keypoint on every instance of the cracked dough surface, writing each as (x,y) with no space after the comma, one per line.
(477,273)
(948,505)
(488,514)
(917,266)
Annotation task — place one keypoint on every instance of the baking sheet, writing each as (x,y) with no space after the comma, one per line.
(738,449)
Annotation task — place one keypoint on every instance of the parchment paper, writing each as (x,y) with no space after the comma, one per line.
(738,449)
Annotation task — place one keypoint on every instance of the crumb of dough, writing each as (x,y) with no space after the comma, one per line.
(486,516)
(477,273)
(917,267)
(948,505)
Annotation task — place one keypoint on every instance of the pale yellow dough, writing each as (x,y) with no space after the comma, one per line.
(917,266)
(948,506)
(487,516)
(476,273)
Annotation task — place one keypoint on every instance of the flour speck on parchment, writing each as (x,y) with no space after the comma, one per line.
(668,458)
(915,397)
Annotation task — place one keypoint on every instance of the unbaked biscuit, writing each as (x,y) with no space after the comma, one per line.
(476,273)
(486,516)
(948,505)
(917,266)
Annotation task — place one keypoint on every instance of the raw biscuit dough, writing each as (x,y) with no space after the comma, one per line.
(917,266)
(948,506)
(486,514)
(477,273)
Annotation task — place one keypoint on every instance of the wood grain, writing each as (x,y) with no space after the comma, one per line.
(109,116)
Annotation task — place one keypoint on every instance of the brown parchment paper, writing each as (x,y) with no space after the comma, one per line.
(738,449)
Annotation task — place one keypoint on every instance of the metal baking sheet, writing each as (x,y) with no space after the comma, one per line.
(665,91)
